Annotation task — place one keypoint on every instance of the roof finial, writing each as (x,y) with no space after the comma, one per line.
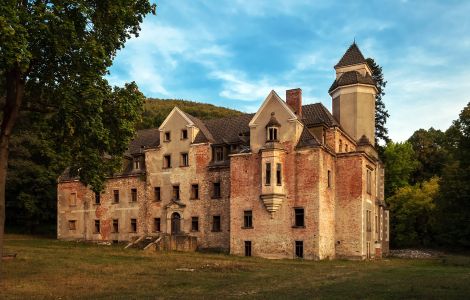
(354,41)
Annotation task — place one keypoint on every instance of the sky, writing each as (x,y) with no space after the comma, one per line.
(233,53)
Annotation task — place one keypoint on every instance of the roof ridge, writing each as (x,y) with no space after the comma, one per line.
(352,56)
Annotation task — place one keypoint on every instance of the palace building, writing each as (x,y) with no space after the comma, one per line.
(289,181)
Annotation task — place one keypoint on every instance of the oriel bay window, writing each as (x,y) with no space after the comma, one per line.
(278,174)
(268,174)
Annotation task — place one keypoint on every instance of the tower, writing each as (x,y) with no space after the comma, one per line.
(353,93)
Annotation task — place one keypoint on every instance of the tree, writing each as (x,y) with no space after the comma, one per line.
(453,202)
(381,113)
(431,153)
(400,163)
(53,59)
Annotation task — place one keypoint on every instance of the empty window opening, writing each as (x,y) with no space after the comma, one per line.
(184,134)
(195,191)
(97,198)
(184,159)
(195,224)
(299,217)
(368,221)
(329,178)
(216,190)
(73,199)
(134,195)
(268,174)
(156,225)
(157,194)
(248,219)
(278,174)
(247,248)
(115,225)
(116,196)
(216,223)
(167,161)
(167,136)
(133,225)
(369,181)
(176,192)
(72,225)
(340,145)
(218,153)
(299,249)
(97,226)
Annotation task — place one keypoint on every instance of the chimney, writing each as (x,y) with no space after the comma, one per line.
(294,100)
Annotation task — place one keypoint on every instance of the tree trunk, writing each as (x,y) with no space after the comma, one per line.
(14,96)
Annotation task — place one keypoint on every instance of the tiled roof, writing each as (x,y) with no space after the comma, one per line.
(147,138)
(351,77)
(204,135)
(317,113)
(353,56)
(273,121)
(230,129)
(307,139)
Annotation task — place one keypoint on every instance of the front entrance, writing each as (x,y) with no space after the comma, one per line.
(175,223)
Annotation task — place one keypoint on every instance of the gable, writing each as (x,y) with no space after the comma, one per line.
(176,116)
(273,103)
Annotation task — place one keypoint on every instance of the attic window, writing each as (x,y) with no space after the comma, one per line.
(218,153)
(167,136)
(184,134)
(271,128)
(272,134)
(136,164)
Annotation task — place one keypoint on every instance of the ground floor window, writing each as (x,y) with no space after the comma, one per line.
(72,225)
(247,248)
(156,225)
(216,223)
(97,226)
(115,225)
(299,249)
(195,224)
(133,225)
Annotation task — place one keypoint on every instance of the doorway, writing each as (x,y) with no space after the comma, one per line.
(175,223)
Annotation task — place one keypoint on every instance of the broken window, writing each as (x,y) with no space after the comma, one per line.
(167,136)
(116,196)
(268,174)
(156,225)
(195,191)
(97,226)
(216,190)
(247,248)
(248,219)
(134,195)
(72,224)
(216,223)
(115,225)
(157,194)
(73,199)
(278,174)
(184,134)
(97,198)
(167,161)
(195,224)
(133,225)
(176,192)
(184,159)
(299,217)
(299,249)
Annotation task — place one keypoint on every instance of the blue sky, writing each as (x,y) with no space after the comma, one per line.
(232,53)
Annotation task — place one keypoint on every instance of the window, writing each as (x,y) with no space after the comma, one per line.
(157,194)
(216,223)
(195,224)
(376,227)
(386,226)
(116,196)
(340,146)
(184,159)
(115,225)
(299,217)
(156,225)
(329,178)
(324,137)
(133,225)
(167,161)
(73,199)
(167,136)
(299,249)
(272,134)
(369,181)
(195,191)
(97,198)
(97,226)
(136,164)
(368,221)
(219,153)
(346,148)
(268,174)
(72,224)
(216,190)
(133,195)
(247,248)
(248,219)
(184,134)
(278,174)
(176,192)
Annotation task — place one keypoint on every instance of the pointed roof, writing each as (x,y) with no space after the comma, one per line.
(353,56)
(273,121)
(352,77)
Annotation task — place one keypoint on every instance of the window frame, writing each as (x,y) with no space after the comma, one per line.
(216,190)
(116,196)
(167,136)
(299,211)
(134,195)
(97,198)
(184,159)
(278,174)
(167,161)
(176,192)
(74,197)
(97,228)
(115,226)
(195,224)
(299,249)
(194,191)
(184,134)
(157,225)
(217,228)
(248,248)
(157,194)
(74,223)
(133,228)
(247,219)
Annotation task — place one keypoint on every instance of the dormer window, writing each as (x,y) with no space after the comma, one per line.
(218,153)
(272,129)
(136,164)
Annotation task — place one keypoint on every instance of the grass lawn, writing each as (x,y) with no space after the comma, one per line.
(46,268)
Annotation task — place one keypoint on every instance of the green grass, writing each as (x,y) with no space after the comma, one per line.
(46,268)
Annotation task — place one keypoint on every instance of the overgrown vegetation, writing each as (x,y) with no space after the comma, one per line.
(55,269)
